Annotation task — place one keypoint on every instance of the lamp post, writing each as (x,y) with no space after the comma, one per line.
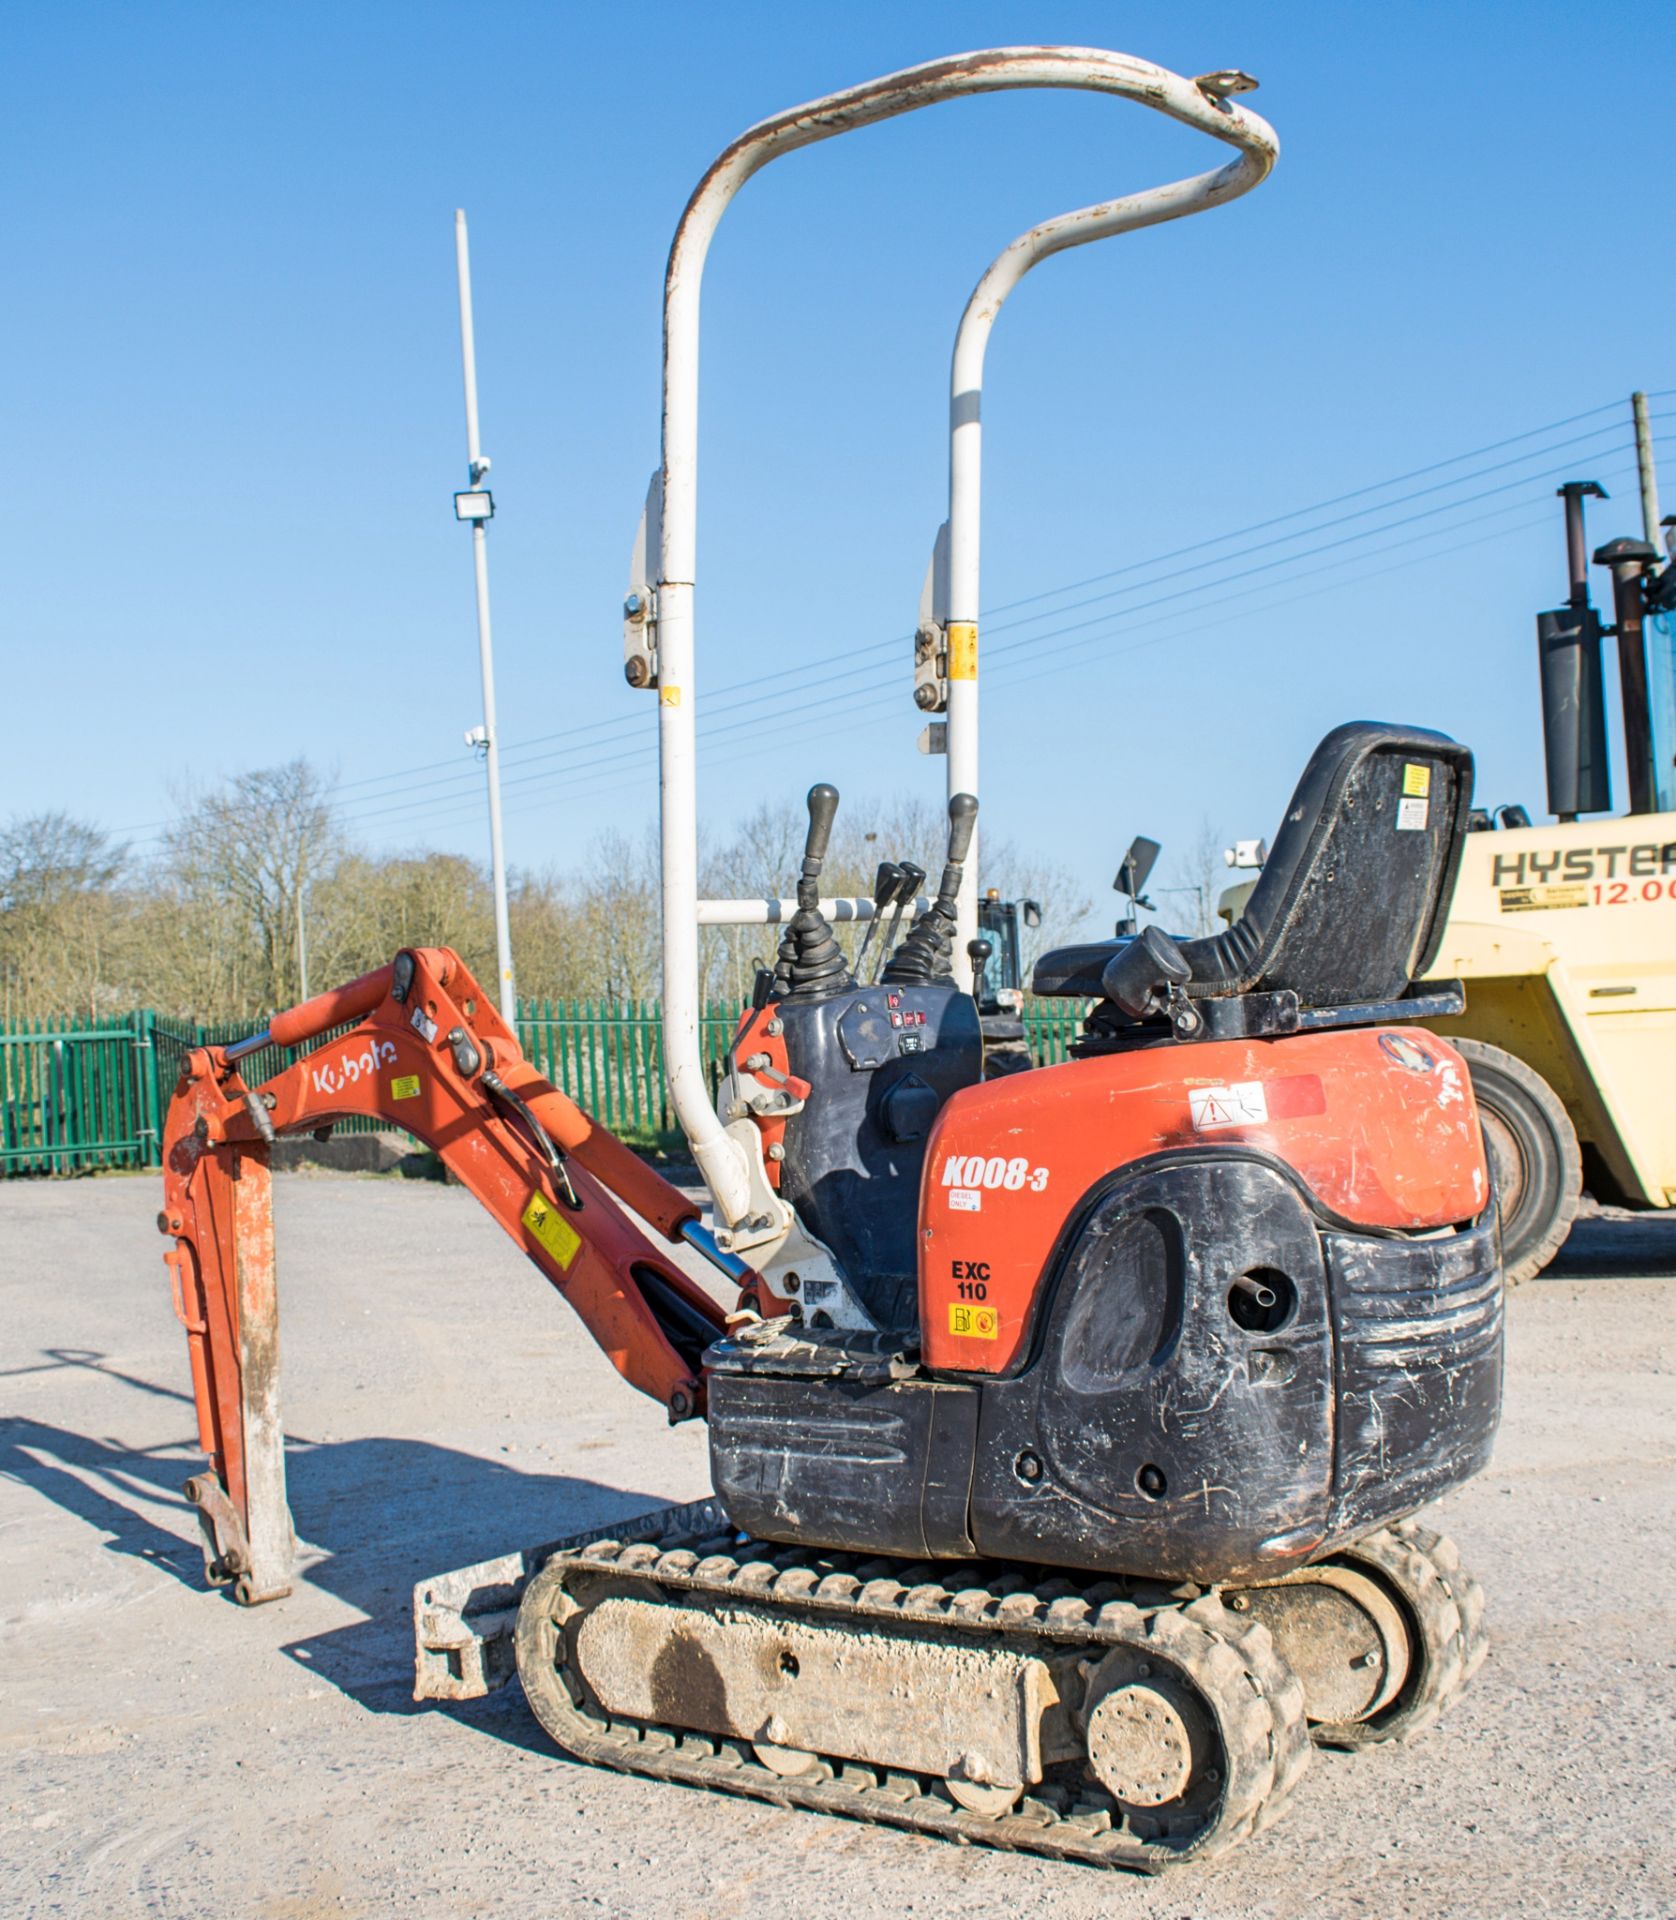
(1201,894)
(476,506)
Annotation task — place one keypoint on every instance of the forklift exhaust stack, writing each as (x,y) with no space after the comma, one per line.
(1568,642)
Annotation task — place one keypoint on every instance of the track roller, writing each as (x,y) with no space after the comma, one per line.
(1383,1635)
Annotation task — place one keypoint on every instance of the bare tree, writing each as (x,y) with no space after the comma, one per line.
(1196,880)
(210,931)
(62,913)
(367,908)
(616,942)
(252,851)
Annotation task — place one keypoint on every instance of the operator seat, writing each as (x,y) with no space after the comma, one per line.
(1350,905)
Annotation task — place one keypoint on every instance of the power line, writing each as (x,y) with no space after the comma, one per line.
(1266,545)
(855,655)
(769,707)
(1356,493)
(855,662)
(583,771)
(554,788)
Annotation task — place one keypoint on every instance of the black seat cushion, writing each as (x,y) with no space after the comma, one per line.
(1350,906)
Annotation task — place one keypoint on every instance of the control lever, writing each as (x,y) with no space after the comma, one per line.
(927,953)
(978,952)
(909,881)
(823,810)
(810,962)
(884,891)
(963,817)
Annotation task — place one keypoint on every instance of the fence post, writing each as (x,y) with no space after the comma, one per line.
(150,1094)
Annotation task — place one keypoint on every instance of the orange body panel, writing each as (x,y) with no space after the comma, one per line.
(1379,1124)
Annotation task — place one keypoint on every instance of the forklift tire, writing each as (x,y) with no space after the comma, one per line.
(1006,1057)
(1533,1153)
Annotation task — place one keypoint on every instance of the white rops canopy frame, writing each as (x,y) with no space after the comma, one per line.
(660,613)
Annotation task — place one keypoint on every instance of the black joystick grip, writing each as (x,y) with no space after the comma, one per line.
(963,816)
(810,962)
(823,809)
(928,952)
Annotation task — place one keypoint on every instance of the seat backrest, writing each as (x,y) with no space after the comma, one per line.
(1351,903)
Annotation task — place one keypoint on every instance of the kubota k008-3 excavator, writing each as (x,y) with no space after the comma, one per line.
(1066,1429)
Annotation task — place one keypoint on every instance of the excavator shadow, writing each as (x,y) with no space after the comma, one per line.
(373,1515)
(1616,1246)
(110,1486)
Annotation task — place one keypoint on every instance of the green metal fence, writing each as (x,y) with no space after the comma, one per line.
(79,1094)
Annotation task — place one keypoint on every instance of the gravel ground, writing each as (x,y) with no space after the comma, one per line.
(165,1752)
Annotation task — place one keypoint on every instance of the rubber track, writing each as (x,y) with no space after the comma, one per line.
(1229,1659)
(1446,1605)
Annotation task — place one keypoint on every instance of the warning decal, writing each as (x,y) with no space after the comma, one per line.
(1416,781)
(405,1088)
(975,1323)
(551,1228)
(963,650)
(1241,1105)
(1412,815)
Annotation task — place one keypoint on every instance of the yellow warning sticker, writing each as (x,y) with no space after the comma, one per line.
(963,650)
(975,1323)
(404,1088)
(669,696)
(551,1228)
(1416,781)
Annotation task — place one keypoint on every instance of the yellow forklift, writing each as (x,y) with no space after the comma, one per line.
(1565,934)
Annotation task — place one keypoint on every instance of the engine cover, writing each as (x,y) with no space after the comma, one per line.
(1199,1313)
(1378,1123)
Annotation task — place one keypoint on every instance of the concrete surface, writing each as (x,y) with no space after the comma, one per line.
(163,1752)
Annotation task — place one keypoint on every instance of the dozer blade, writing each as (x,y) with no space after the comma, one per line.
(463,1621)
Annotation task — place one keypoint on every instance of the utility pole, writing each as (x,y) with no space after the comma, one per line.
(1201,894)
(1650,529)
(477,505)
(302,943)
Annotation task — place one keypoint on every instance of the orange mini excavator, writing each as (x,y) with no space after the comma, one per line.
(1067,1428)
(1079,1496)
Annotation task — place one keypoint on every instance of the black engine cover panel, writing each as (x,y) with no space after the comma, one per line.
(1170,1438)
(1418,1336)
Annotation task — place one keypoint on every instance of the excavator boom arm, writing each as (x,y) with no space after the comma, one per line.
(431,1056)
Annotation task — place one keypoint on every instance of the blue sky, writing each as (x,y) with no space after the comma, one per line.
(234,417)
